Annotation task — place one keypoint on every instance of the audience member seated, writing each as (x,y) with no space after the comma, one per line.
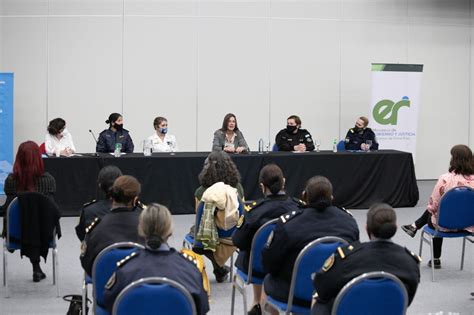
(356,137)
(120,225)
(161,140)
(295,230)
(158,259)
(58,140)
(293,138)
(28,176)
(380,254)
(229,138)
(275,203)
(218,167)
(116,134)
(461,173)
(100,207)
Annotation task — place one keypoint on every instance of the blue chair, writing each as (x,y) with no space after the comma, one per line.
(154,295)
(190,242)
(275,147)
(341,146)
(11,244)
(455,212)
(309,260)
(105,264)
(372,293)
(243,278)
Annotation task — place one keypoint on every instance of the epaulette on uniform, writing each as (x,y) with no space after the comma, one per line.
(249,207)
(290,215)
(345,210)
(189,258)
(415,256)
(298,201)
(344,251)
(351,130)
(123,261)
(92,225)
(89,203)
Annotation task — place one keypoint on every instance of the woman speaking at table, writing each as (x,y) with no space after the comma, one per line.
(109,138)
(229,138)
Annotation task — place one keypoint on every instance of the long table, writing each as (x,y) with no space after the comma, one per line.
(359,178)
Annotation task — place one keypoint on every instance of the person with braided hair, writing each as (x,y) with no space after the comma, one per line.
(158,259)
(380,254)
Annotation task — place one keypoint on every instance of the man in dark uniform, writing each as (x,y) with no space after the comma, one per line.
(298,228)
(115,134)
(120,225)
(293,138)
(380,254)
(98,208)
(357,136)
(157,260)
(275,203)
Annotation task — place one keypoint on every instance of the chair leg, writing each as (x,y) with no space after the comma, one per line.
(84,294)
(462,253)
(5,271)
(432,259)
(244,295)
(421,243)
(232,303)
(55,270)
(231,267)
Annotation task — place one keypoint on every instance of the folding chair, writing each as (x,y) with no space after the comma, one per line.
(11,243)
(242,278)
(309,260)
(105,264)
(455,212)
(154,295)
(372,293)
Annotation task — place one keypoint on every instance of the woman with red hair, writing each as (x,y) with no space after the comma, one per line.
(28,176)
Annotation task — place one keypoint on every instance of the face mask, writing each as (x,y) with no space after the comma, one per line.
(164,130)
(290,129)
(357,129)
(119,127)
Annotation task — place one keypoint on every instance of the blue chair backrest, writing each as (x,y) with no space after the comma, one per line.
(154,295)
(275,147)
(341,145)
(14,222)
(222,233)
(372,293)
(456,208)
(310,260)
(258,242)
(105,264)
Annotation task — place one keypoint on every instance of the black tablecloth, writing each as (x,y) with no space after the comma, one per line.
(359,178)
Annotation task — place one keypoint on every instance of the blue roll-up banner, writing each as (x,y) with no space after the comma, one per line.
(6,126)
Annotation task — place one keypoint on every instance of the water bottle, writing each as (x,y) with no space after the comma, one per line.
(146,148)
(260,146)
(334,146)
(118,149)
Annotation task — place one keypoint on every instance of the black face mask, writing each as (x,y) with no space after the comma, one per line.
(290,129)
(357,129)
(119,127)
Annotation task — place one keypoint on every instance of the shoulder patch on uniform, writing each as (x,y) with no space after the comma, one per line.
(241,221)
(328,263)
(110,283)
(290,215)
(189,258)
(298,201)
(125,260)
(92,225)
(250,206)
(89,203)
(415,256)
(351,130)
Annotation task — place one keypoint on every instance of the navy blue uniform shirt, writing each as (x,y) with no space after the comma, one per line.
(355,138)
(108,139)
(286,141)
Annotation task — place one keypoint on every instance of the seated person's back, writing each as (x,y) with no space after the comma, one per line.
(120,225)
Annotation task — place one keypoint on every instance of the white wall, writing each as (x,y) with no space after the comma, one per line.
(193,61)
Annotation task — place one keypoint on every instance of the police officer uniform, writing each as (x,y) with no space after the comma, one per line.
(292,233)
(286,141)
(260,212)
(161,262)
(120,225)
(355,137)
(108,139)
(353,260)
(90,211)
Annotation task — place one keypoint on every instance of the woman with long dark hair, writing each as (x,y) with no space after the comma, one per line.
(229,138)
(461,173)
(28,176)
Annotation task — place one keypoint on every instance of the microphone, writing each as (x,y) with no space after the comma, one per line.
(95,140)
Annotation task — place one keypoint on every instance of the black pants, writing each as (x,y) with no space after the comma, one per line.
(437,241)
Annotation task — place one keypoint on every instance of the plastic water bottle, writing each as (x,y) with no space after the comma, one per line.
(118,149)
(334,146)
(147,148)
(260,146)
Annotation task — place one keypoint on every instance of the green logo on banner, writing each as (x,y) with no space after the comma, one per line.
(385,112)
